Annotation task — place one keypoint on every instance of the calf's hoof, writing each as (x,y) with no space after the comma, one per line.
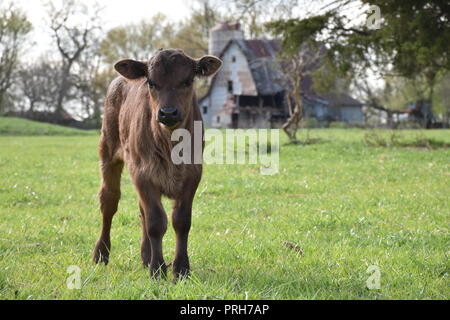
(181,270)
(146,259)
(101,253)
(158,271)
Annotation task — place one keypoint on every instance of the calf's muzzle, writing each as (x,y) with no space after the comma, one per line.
(169,116)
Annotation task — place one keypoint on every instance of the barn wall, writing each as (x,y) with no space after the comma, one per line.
(257,119)
(243,84)
(352,114)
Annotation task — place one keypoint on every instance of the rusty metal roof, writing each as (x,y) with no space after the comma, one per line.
(260,48)
(336,99)
(261,56)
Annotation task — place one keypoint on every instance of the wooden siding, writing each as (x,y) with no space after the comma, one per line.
(243,84)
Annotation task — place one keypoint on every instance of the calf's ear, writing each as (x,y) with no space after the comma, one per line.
(131,69)
(208,66)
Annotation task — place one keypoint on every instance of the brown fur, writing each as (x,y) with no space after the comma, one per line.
(132,135)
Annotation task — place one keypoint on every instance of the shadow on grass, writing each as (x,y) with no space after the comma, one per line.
(290,283)
(306,142)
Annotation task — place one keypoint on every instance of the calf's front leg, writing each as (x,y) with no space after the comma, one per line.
(155,221)
(181,220)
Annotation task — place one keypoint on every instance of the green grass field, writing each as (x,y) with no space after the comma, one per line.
(21,127)
(345,204)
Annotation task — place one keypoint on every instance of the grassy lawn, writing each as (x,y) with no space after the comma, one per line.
(346,205)
(21,127)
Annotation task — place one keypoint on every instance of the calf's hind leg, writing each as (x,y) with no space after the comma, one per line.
(109,196)
(146,249)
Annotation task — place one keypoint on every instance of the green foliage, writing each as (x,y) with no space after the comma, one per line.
(413,41)
(294,32)
(338,125)
(416,34)
(13,21)
(309,232)
(191,36)
(14,27)
(442,99)
(310,123)
(136,40)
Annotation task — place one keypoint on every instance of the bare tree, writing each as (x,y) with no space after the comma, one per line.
(377,101)
(14,27)
(296,67)
(91,85)
(72,38)
(445,98)
(253,14)
(37,85)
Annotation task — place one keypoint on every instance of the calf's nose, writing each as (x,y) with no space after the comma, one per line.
(168,112)
(168,115)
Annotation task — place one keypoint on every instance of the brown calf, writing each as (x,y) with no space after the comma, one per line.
(142,108)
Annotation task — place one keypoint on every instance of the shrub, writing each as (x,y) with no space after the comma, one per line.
(310,123)
(338,125)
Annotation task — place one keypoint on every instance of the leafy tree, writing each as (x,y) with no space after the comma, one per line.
(413,40)
(136,40)
(443,97)
(14,28)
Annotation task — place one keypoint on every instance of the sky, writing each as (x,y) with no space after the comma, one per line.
(116,12)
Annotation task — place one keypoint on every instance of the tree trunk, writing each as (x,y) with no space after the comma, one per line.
(63,89)
(31,108)
(292,125)
(390,120)
(1,102)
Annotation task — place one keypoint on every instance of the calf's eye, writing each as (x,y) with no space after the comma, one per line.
(151,84)
(187,84)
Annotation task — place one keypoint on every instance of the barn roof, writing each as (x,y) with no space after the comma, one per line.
(259,48)
(261,57)
(334,99)
(340,99)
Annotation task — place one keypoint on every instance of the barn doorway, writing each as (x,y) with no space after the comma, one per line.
(235,121)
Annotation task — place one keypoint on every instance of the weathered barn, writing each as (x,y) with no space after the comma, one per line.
(248,92)
(331,107)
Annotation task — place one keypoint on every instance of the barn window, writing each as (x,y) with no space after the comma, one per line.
(233,59)
(218,119)
(230,86)
(205,109)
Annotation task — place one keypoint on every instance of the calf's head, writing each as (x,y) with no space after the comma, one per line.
(170,77)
